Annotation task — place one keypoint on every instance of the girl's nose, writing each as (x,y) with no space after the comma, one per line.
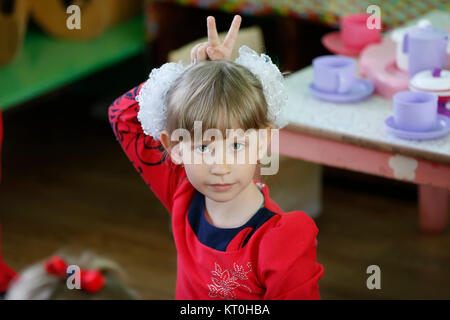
(220,169)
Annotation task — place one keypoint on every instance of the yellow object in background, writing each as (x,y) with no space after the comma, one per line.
(96,16)
(13,23)
(52,16)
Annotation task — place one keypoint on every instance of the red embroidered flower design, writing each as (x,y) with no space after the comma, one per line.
(224,282)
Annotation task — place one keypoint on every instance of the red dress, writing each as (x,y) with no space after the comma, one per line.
(272,256)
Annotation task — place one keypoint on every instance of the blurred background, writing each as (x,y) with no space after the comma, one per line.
(65,180)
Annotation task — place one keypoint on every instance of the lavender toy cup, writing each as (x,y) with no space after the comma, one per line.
(415,111)
(333,74)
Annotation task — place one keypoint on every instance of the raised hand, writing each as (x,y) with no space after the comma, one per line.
(213,49)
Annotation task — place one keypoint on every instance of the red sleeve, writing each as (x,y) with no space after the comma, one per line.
(287,265)
(145,153)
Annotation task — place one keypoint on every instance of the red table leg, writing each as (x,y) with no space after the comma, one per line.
(433,206)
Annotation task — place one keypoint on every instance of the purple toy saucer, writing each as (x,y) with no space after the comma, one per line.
(360,90)
(441,129)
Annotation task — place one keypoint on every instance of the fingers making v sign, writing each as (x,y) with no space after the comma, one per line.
(213,49)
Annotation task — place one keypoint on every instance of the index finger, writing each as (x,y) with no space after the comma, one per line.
(233,32)
(213,37)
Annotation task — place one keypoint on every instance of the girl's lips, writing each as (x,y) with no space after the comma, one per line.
(222,187)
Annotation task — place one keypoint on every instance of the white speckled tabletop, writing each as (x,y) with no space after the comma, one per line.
(360,123)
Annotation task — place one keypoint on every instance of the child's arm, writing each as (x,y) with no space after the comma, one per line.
(158,171)
(288,264)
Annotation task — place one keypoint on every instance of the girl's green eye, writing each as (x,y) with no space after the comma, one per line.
(202,148)
(237,146)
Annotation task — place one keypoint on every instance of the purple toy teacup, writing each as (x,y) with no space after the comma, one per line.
(334,74)
(415,111)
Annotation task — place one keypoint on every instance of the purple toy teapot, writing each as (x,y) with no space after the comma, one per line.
(427,49)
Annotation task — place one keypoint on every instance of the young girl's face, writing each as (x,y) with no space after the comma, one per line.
(221,168)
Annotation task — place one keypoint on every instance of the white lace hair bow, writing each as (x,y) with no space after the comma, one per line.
(152,96)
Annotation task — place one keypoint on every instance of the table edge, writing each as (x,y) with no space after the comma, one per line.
(367,143)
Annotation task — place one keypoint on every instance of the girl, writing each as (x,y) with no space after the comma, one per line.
(233,240)
(47,280)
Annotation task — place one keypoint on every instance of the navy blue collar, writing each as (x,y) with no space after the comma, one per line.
(219,238)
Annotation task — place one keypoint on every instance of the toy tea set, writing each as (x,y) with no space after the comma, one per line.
(415,58)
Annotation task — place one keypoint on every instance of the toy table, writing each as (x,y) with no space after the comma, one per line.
(352,136)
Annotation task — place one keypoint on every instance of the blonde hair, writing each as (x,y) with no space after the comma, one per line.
(217,93)
(34,283)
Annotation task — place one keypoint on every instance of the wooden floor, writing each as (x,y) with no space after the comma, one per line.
(66,182)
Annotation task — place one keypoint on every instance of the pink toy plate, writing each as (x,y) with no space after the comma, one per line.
(441,129)
(333,42)
(377,63)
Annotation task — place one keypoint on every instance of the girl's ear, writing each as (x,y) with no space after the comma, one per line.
(176,153)
(174,150)
(165,140)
